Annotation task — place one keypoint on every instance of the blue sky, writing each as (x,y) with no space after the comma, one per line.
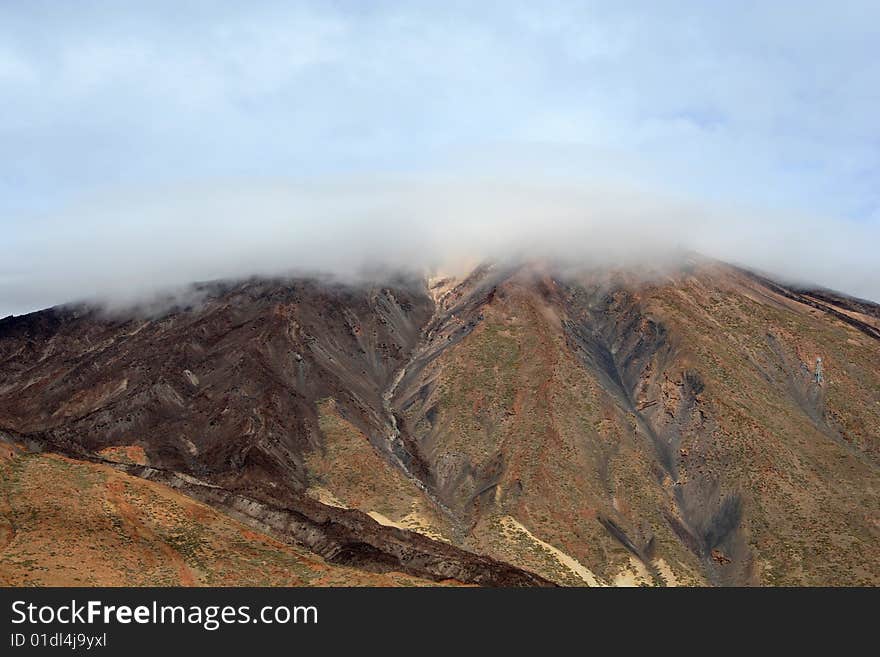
(768,108)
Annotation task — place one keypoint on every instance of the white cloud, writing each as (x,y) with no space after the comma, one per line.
(124,248)
(754,104)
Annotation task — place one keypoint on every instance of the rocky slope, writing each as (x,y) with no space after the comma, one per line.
(67,522)
(591,427)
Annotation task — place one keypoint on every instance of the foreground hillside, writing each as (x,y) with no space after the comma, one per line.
(65,522)
(520,425)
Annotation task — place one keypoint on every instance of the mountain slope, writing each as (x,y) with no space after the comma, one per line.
(593,427)
(676,420)
(75,523)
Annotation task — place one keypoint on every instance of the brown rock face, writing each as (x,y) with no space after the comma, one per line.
(591,427)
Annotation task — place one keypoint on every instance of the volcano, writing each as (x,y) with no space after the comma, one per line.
(519,425)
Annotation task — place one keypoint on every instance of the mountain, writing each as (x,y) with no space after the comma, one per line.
(523,425)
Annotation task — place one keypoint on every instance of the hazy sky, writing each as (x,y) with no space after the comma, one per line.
(179,140)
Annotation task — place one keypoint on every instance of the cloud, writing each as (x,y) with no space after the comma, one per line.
(123,249)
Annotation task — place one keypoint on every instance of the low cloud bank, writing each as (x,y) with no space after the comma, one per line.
(123,249)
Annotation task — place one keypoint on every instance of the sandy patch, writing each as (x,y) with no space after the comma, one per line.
(634,574)
(637,574)
(413,521)
(666,571)
(511,523)
(324,496)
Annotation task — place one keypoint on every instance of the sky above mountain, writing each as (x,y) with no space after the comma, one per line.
(152,144)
